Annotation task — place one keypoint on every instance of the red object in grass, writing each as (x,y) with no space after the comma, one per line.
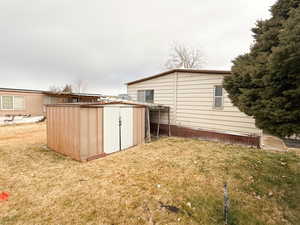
(4,196)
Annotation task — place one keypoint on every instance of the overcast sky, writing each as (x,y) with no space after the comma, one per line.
(110,42)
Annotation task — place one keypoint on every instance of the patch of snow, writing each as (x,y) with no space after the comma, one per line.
(20,119)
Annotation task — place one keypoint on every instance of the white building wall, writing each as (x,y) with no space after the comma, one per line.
(190,96)
(163,94)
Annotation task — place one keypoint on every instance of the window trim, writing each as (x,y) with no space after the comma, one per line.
(24,105)
(137,95)
(214,98)
(13,103)
(2,102)
(144,91)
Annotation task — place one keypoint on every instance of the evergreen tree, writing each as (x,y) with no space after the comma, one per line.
(265,83)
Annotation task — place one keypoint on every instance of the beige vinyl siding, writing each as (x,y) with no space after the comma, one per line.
(191,98)
(163,94)
(195,95)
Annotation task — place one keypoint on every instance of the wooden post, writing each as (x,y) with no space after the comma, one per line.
(148,124)
(226,204)
(157,134)
(169,126)
(120,134)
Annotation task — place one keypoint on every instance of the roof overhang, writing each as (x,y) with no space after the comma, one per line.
(94,104)
(151,106)
(21,90)
(213,72)
(72,95)
(58,94)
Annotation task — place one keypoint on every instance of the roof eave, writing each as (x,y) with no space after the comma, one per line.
(223,72)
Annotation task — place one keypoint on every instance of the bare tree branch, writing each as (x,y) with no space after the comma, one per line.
(64,89)
(80,86)
(54,89)
(182,56)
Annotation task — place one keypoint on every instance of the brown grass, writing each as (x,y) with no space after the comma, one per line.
(126,188)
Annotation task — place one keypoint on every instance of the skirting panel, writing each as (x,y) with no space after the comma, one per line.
(207,135)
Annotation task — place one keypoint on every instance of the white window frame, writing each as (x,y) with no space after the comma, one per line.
(214,98)
(2,102)
(144,91)
(13,103)
(137,94)
(23,108)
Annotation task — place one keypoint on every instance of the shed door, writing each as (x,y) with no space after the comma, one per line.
(127,127)
(111,129)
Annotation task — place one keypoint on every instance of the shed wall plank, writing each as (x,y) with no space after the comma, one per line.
(91,132)
(62,130)
(138,126)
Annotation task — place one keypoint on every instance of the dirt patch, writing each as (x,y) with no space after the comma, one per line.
(273,143)
(20,135)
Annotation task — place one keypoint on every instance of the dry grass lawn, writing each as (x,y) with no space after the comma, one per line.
(129,187)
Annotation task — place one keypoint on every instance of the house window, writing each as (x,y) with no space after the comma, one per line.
(145,96)
(141,96)
(218,97)
(12,102)
(19,103)
(7,102)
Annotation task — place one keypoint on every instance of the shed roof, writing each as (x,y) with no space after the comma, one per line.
(101,104)
(70,95)
(93,104)
(224,72)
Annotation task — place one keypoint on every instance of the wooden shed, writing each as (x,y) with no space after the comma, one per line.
(90,131)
